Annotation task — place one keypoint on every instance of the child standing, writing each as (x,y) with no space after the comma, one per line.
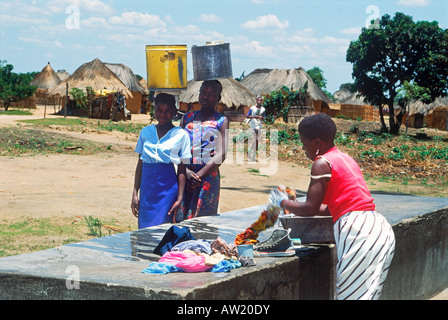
(158,190)
(364,239)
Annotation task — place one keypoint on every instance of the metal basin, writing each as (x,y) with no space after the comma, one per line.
(316,229)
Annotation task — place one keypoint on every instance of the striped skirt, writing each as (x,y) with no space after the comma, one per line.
(365,245)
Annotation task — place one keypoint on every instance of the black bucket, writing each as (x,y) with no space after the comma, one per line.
(211,62)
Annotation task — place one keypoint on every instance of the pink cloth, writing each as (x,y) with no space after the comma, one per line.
(188,262)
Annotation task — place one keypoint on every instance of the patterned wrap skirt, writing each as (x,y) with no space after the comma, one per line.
(203,200)
(365,245)
(158,192)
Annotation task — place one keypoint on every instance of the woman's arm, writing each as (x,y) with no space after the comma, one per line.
(181,179)
(137,181)
(316,192)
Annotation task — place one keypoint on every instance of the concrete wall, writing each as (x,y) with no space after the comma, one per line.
(419,269)
(111,267)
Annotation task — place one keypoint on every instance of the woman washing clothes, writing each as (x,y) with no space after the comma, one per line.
(158,189)
(207,131)
(365,241)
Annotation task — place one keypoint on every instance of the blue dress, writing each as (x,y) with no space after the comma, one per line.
(158,186)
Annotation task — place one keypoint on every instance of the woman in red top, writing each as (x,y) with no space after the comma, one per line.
(364,239)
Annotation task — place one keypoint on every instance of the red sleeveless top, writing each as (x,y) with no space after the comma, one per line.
(347,190)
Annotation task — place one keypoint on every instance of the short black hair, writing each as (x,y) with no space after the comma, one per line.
(166,99)
(213,83)
(318,125)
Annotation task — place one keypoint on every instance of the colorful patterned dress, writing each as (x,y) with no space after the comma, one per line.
(203,200)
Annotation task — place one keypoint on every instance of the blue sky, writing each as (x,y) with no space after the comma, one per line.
(261,33)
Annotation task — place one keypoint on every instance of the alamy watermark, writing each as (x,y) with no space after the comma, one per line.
(72,22)
(373,20)
(72,281)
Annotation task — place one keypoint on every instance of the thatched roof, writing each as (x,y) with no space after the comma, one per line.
(233,95)
(264,81)
(355,98)
(62,74)
(127,77)
(93,74)
(420,107)
(46,79)
(342,95)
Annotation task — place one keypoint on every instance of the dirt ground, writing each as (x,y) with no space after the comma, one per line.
(101,185)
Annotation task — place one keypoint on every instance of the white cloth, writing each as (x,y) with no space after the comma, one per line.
(256,123)
(172,147)
(365,245)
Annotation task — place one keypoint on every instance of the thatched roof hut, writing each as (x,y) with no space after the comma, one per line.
(46,79)
(342,95)
(93,74)
(236,99)
(131,81)
(127,77)
(264,81)
(434,114)
(424,109)
(63,74)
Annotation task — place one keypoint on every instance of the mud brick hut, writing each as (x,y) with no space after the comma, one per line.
(433,115)
(353,106)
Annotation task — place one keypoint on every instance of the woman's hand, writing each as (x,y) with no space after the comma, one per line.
(193,180)
(135,205)
(173,211)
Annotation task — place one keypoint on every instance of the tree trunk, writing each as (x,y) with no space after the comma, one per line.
(383,124)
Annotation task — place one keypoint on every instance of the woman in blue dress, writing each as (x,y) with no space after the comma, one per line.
(158,189)
(207,131)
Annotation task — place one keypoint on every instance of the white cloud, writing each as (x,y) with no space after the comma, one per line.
(254,49)
(414,3)
(269,21)
(42,43)
(91,6)
(210,18)
(22,20)
(355,31)
(137,19)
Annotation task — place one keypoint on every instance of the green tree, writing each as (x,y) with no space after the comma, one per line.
(317,75)
(396,50)
(14,87)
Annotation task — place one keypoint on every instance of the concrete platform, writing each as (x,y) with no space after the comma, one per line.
(111,267)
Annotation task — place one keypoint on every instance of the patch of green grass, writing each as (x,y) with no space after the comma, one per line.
(34,234)
(17,141)
(56,122)
(16,112)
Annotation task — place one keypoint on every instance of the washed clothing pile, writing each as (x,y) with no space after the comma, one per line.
(181,252)
(266,220)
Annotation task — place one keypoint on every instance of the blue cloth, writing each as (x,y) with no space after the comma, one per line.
(158,192)
(173,236)
(199,246)
(226,266)
(161,268)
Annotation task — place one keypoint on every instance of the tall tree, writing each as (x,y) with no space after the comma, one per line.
(317,75)
(14,86)
(397,50)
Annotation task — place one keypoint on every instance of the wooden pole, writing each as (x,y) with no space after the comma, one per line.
(45,109)
(66,97)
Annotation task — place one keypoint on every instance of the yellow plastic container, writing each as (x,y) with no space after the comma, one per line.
(166,67)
